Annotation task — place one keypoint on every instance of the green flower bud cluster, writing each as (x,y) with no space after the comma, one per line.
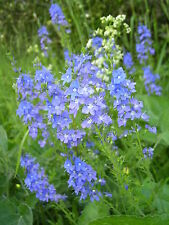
(109,52)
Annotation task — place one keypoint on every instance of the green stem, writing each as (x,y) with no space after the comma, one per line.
(158,140)
(138,138)
(146,164)
(117,172)
(67,214)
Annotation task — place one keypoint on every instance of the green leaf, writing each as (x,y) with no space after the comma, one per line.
(10,214)
(165,137)
(26,217)
(132,220)
(156,106)
(3,139)
(158,110)
(92,211)
(161,202)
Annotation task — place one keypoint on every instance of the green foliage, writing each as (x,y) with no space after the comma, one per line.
(11,214)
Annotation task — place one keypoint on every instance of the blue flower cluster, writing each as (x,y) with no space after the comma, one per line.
(144,44)
(44,39)
(32,98)
(128,62)
(44,103)
(148,152)
(85,91)
(36,181)
(58,17)
(149,81)
(121,89)
(144,49)
(151,129)
(82,178)
(82,100)
(76,103)
(96,45)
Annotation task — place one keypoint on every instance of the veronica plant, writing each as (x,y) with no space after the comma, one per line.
(44,39)
(37,182)
(128,63)
(144,50)
(92,99)
(60,24)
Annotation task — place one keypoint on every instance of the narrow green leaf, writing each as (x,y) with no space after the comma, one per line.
(162,54)
(20,151)
(3,139)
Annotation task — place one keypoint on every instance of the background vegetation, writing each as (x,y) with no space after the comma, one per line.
(19,22)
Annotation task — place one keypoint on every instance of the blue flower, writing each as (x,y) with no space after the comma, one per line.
(43,31)
(148,152)
(44,39)
(73,90)
(58,17)
(118,76)
(67,77)
(24,85)
(144,44)
(151,129)
(43,76)
(82,178)
(150,82)
(70,137)
(97,42)
(127,106)
(102,118)
(128,62)
(90,107)
(25,109)
(37,182)
(61,121)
